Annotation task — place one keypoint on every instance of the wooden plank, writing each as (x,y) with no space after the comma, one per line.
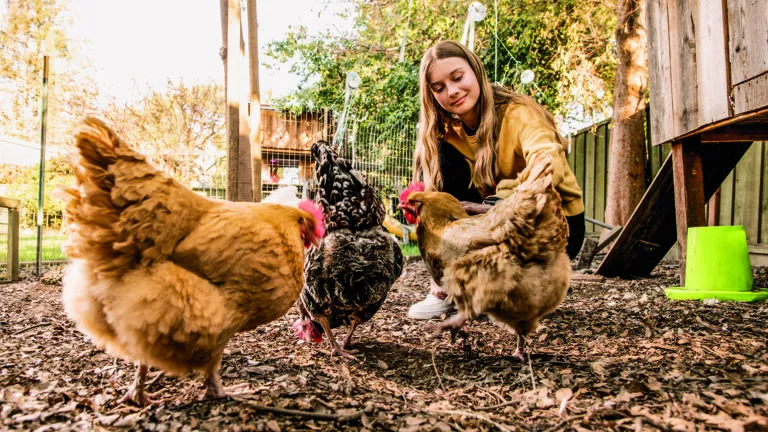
(10,203)
(666,149)
(747,30)
(659,72)
(713,209)
(589,178)
(751,95)
(13,243)
(711,69)
(651,230)
(688,176)
(726,199)
(569,156)
(737,133)
(601,171)
(764,196)
(578,160)
(682,50)
(757,116)
(746,205)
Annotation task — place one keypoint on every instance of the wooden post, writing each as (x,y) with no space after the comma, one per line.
(13,243)
(689,191)
(713,218)
(254,107)
(239,187)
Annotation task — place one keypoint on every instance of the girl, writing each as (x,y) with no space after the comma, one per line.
(474,140)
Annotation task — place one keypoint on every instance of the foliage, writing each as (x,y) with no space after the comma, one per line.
(22,183)
(23,31)
(180,128)
(567,44)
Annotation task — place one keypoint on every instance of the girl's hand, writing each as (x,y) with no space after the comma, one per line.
(475,208)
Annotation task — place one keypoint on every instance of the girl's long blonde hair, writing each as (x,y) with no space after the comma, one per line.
(434,121)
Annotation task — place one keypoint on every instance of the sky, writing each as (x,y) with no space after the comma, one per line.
(146,42)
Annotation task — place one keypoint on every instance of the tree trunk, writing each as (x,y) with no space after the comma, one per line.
(626,171)
(254,106)
(239,187)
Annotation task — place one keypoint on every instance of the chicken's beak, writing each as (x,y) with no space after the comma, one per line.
(316,241)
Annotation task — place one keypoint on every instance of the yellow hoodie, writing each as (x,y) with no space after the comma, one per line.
(523,132)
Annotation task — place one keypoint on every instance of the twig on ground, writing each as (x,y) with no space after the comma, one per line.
(298,413)
(471,414)
(154,380)
(493,393)
(31,328)
(440,380)
(497,406)
(564,422)
(530,368)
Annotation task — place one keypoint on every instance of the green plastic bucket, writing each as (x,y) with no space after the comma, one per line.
(717,266)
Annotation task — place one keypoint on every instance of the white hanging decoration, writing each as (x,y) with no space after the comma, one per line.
(475,13)
(350,85)
(526,77)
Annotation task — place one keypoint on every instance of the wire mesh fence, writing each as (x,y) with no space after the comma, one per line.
(381,151)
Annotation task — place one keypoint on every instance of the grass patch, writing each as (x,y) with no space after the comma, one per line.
(28,247)
(410,249)
(52,247)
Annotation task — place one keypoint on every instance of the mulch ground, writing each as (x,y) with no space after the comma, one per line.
(617,355)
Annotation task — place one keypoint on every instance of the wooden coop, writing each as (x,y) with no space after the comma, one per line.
(286,142)
(708,79)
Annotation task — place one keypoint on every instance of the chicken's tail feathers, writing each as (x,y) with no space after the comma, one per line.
(121,209)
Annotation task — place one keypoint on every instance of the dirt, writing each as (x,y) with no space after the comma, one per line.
(617,355)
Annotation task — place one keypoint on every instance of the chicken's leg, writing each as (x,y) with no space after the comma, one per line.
(136,393)
(213,388)
(454,325)
(522,329)
(348,340)
(335,348)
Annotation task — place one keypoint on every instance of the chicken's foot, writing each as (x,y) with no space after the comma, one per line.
(522,328)
(136,392)
(213,387)
(335,348)
(348,340)
(454,325)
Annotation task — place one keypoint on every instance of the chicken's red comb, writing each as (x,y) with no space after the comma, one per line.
(316,211)
(306,331)
(412,187)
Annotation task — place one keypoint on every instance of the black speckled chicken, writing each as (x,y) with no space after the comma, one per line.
(348,276)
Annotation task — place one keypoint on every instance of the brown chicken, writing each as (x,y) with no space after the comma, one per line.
(509,263)
(165,277)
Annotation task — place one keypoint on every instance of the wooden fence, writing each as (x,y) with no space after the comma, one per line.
(743,196)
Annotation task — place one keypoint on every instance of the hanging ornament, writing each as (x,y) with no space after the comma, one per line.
(526,77)
(350,85)
(475,14)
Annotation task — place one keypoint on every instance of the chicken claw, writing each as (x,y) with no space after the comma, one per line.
(335,347)
(136,393)
(213,387)
(520,351)
(348,354)
(454,325)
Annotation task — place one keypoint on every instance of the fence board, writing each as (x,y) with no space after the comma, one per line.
(746,208)
(764,197)
(589,177)
(579,160)
(726,199)
(601,171)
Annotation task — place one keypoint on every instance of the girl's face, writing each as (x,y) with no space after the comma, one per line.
(454,86)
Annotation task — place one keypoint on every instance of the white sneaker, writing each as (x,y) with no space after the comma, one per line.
(430,307)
